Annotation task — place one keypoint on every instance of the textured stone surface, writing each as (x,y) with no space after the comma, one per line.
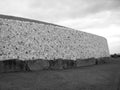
(37,65)
(104,60)
(61,64)
(13,66)
(28,40)
(85,62)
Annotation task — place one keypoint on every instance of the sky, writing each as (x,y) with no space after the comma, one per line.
(101,17)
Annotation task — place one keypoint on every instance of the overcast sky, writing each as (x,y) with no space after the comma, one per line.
(101,17)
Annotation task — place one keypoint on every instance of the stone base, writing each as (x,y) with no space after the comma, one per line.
(61,64)
(35,65)
(85,62)
(15,65)
(103,60)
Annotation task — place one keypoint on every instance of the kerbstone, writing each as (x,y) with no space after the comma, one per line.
(13,66)
(85,62)
(37,65)
(60,64)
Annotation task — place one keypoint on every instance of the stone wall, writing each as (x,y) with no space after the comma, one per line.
(26,39)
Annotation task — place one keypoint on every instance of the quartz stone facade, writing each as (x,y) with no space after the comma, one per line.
(26,39)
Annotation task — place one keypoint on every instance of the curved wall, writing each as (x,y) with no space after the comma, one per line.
(26,39)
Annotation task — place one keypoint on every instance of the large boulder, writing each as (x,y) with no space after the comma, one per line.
(35,65)
(56,64)
(85,62)
(13,65)
(1,66)
(69,64)
(61,64)
(103,60)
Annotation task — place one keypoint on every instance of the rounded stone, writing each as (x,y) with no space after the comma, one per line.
(36,65)
(85,62)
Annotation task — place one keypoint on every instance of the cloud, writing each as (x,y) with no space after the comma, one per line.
(14,7)
(98,20)
(74,8)
(116,36)
(56,10)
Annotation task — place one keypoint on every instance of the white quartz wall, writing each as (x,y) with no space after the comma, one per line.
(29,41)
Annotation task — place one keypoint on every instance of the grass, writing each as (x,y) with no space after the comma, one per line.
(97,77)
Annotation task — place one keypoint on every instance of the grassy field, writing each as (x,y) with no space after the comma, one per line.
(97,77)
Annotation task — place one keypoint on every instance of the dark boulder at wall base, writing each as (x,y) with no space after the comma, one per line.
(35,65)
(103,60)
(1,66)
(55,64)
(13,65)
(85,62)
(61,64)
